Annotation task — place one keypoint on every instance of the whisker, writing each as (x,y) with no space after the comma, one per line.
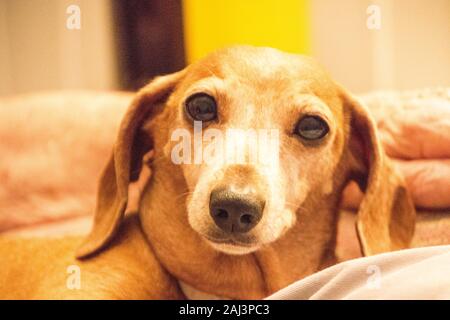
(181,195)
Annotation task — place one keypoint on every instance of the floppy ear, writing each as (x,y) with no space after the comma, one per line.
(125,163)
(386,216)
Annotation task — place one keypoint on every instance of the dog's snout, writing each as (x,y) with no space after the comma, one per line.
(235,212)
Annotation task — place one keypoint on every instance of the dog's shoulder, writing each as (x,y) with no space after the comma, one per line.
(47,268)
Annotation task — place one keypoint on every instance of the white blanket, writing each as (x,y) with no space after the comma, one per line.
(421,273)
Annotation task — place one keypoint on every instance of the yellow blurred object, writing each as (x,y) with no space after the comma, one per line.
(213,24)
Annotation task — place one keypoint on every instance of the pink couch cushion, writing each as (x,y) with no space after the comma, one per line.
(53,147)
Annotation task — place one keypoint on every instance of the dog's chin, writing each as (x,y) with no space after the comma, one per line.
(233,248)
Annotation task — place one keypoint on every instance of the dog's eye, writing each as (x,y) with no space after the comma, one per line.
(311,128)
(201,107)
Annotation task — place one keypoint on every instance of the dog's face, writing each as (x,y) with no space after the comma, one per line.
(261,140)
(270,131)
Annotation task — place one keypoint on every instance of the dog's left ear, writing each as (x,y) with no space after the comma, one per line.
(386,216)
(125,163)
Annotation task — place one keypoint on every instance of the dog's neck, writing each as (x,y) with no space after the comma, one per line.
(198,266)
(194,294)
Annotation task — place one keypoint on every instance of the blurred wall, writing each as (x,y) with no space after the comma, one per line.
(210,25)
(410,50)
(38,52)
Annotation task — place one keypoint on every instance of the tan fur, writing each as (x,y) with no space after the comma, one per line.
(254,88)
(37,269)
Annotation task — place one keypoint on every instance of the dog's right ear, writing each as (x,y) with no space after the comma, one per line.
(386,215)
(125,163)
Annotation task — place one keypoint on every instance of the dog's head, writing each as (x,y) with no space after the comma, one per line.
(260,137)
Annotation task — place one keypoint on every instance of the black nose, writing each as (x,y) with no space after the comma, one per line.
(235,212)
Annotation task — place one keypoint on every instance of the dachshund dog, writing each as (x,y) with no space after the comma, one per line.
(214,226)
